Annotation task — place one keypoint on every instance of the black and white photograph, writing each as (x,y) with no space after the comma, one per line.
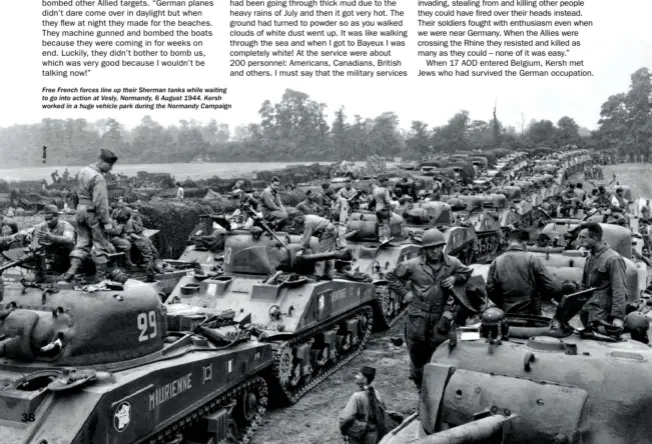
(326,222)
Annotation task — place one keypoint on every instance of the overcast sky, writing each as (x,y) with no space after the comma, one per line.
(619,43)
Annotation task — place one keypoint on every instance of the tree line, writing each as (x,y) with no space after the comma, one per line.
(297,129)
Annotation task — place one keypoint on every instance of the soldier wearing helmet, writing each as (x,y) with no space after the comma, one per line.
(423,282)
(637,325)
(517,279)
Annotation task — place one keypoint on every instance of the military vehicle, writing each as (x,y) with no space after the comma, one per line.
(111,364)
(314,325)
(507,384)
(375,259)
(461,241)
(479,211)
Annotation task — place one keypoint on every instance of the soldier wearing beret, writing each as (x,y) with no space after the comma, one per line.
(93,216)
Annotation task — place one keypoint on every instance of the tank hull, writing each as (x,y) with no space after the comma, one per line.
(552,395)
(135,404)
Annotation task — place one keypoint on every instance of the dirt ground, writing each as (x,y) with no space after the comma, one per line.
(314,419)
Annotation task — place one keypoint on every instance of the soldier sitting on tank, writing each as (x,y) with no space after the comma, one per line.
(323,230)
(57,236)
(605,271)
(568,201)
(135,230)
(120,237)
(517,279)
(645,211)
(308,205)
(271,206)
(429,315)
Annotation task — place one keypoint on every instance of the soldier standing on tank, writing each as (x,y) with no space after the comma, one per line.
(344,197)
(423,282)
(358,421)
(517,279)
(383,200)
(93,218)
(271,205)
(605,271)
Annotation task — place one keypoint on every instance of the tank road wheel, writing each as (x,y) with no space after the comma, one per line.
(283,365)
(344,343)
(388,308)
(248,406)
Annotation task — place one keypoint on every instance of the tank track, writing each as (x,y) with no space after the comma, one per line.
(224,400)
(290,396)
(381,320)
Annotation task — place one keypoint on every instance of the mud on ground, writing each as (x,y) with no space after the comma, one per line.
(314,419)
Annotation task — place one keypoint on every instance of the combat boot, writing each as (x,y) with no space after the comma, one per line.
(75,265)
(100,272)
(128,264)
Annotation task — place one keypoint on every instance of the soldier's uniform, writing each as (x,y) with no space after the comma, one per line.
(307,206)
(516,281)
(92,217)
(425,325)
(59,240)
(120,237)
(323,230)
(134,228)
(604,270)
(359,413)
(272,207)
(383,202)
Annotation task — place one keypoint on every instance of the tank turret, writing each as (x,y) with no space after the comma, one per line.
(363,226)
(315,323)
(432,214)
(542,389)
(69,327)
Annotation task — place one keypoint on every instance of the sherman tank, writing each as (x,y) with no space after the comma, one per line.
(461,241)
(373,258)
(521,206)
(314,325)
(496,384)
(111,364)
(481,211)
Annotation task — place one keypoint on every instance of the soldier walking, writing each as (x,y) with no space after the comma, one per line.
(422,282)
(93,218)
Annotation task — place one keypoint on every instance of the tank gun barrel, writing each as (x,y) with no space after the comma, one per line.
(478,431)
(344,254)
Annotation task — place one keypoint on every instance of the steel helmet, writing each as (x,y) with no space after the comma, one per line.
(492,316)
(432,238)
(636,320)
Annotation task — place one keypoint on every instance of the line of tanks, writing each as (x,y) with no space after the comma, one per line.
(253,324)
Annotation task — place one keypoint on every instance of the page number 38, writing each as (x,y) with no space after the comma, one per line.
(147,325)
